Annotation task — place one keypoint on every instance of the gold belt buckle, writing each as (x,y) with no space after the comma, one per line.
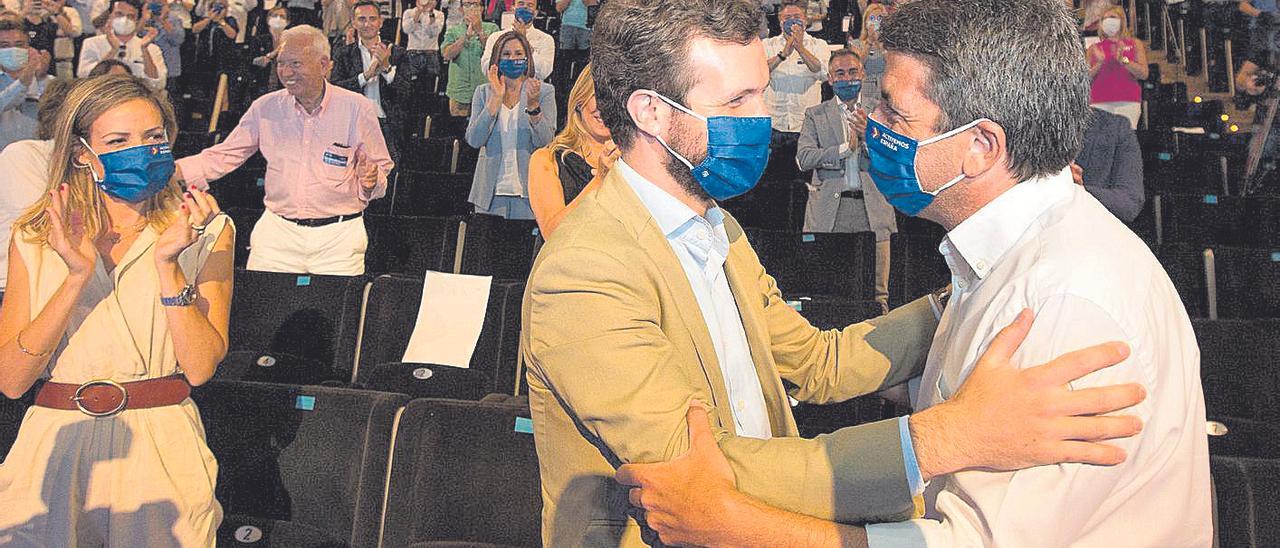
(79,399)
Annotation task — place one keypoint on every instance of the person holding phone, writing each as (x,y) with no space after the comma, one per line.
(463,49)
(214,36)
(126,42)
(158,16)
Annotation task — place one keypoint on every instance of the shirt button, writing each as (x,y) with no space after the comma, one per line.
(960,285)
(980,265)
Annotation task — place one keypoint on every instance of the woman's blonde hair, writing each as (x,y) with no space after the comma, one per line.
(88,100)
(1118,12)
(872,9)
(575,135)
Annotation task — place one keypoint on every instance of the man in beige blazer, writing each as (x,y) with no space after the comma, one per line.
(621,335)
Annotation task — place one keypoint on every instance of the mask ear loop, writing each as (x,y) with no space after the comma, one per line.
(685,110)
(88,166)
(937,138)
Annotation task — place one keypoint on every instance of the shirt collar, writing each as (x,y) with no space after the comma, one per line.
(669,212)
(704,236)
(987,235)
(324,102)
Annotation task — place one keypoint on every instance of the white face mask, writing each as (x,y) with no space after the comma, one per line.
(277,23)
(13,59)
(1110,26)
(123,25)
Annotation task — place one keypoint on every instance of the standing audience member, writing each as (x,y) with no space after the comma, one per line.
(26,167)
(213,41)
(337,15)
(119,295)
(326,160)
(158,15)
(43,23)
(796,72)
(574,163)
(463,48)
(143,57)
(376,70)
(89,11)
(1092,12)
(422,24)
(264,48)
(511,116)
(543,54)
(575,34)
(841,195)
(23,76)
(1117,63)
(1110,165)
(871,52)
(452,12)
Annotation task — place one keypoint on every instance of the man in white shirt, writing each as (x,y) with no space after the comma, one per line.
(521,21)
(144,58)
(797,68)
(23,75)
(25,176)
(967,136)
(422,24)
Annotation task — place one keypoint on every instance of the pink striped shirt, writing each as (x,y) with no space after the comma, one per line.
(311,158)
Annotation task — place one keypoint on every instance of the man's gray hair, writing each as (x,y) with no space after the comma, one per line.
(1019,63)
(318,41)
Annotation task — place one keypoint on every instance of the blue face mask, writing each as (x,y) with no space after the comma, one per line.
(737,152)
(790,24)
(893,166)
(513,68)
(847,90)
(136,173)
(524,15)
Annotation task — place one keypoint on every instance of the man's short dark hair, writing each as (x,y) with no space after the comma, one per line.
(369,3)
(644,44)
(1019,63)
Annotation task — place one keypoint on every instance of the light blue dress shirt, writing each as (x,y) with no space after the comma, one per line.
(702,245)
(575,15)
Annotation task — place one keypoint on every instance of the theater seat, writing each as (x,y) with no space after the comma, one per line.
(390,314)
(1247,282)
(1240,368)
(916,268)
(502,248)
(1244,438)
(410,245)
(244,219)
(306,324)
(1248,501)
(305,465)
(464,474)
(1185,266)
(834,312)
(431,194)
(829,264)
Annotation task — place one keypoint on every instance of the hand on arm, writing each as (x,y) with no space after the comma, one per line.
(972,430)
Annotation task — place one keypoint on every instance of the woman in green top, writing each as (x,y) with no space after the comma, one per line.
(463,47)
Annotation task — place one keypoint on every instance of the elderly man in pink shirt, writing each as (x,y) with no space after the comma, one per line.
(326,159)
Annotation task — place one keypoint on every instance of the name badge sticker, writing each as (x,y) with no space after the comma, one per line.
(335,159)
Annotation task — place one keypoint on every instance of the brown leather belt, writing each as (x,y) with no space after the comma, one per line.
(104,398)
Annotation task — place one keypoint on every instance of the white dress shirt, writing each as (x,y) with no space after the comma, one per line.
(509,182)
(23,181)
(852,175)
(793,88)
(371,88)
(1048,245)
(19,107)
(98,48)
(544,51)
(425,35)
(702,245)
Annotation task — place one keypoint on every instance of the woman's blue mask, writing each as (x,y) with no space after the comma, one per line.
(513,68)
(893,166)
(136,173)
(847,90)
(524,15)
(737,152)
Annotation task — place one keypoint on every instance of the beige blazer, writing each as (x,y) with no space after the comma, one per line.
(617,348)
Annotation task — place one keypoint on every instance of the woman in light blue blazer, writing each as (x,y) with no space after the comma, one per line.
(511,116)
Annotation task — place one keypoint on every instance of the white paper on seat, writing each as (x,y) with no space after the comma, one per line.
(449,319)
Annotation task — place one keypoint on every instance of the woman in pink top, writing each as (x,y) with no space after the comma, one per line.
(1116,63)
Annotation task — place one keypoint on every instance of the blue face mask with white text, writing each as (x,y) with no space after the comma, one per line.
(513,68)
(524,15)
(893,166)
(847,90)
(136,173)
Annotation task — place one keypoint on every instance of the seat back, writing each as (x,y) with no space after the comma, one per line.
(1240,368)
(410,245)
(1248,282)
(464,472)
(502,248)
(313,457)
(314,318)
(840,265)
(392,311)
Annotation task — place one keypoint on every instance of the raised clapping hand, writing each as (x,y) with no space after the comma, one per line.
(197,210)
(496,81)
(67,234)
(366,170)
(532,93)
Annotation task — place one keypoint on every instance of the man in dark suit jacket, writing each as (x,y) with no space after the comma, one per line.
(1110,165)
(373,68)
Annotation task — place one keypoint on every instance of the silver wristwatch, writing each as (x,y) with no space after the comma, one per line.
(185,297)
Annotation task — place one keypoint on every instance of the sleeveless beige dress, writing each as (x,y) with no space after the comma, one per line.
(141,478)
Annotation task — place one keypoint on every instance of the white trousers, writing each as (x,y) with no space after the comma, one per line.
(277,245)
(1130,110)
